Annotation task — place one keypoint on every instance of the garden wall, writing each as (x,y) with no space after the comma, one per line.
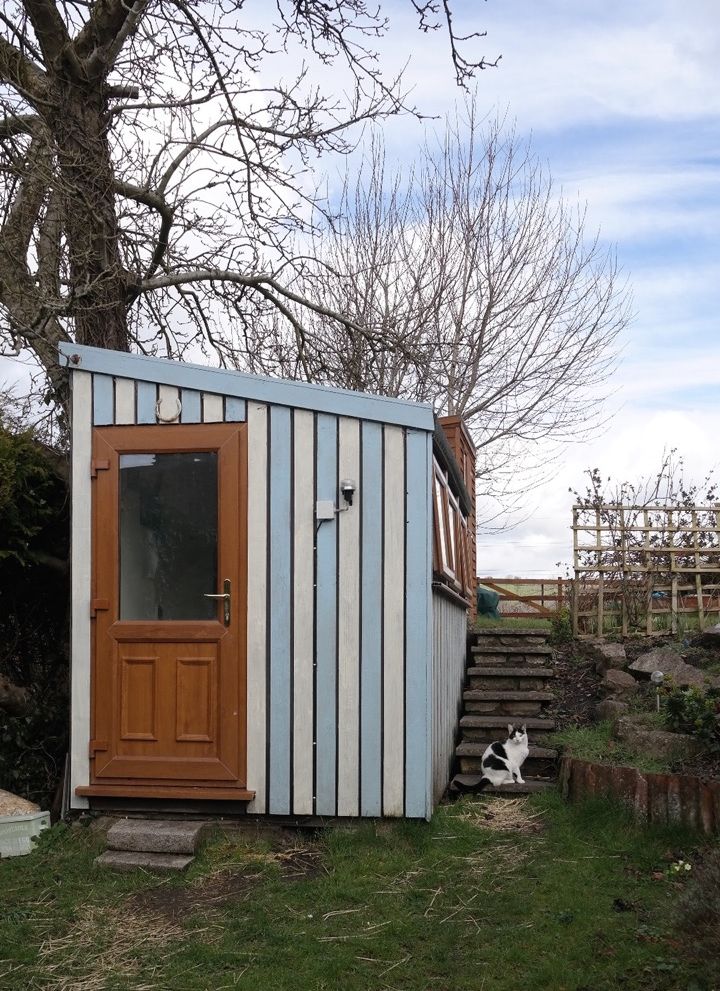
(662,799)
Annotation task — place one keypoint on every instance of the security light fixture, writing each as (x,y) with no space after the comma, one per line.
(347,487)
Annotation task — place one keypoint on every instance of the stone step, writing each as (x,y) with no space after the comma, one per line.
(512,649)
(531,786)
(510,637)
(540,761)
(492,657)
(155,836)
(131,860)
(506,703)
(508,678)
(491,728)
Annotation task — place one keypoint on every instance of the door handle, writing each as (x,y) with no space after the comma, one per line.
(225,596)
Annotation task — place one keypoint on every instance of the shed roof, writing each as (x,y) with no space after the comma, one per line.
(281,392)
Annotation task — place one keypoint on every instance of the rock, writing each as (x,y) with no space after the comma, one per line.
(155,836)
(637,736)
(672,665)
(609,710)
(618,682)
(127,860)
(612,656)
(708,638)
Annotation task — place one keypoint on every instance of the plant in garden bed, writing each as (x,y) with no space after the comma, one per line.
(692,710)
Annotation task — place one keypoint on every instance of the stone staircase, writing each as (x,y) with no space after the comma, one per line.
(151,845)
(508,678)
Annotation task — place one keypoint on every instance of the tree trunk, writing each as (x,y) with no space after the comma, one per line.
(78,121)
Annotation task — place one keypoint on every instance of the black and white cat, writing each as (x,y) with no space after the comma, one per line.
(501,762)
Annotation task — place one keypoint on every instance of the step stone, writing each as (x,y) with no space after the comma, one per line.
(155,836)
(510,672)
(531,786)
(541,761)
(512,650)
(502,707)
(490,722)
(131,860)
(508,696)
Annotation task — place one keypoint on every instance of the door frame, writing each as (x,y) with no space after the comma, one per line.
(108,443)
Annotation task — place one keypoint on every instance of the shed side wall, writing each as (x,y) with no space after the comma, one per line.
(449,660)
(339,701)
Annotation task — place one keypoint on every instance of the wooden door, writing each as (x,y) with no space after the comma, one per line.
(169,603)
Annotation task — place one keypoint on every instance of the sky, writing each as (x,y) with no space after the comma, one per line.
(622,102)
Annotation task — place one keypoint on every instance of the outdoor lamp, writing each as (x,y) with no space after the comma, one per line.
(657,678)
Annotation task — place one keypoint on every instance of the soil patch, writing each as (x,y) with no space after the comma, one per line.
(229,884)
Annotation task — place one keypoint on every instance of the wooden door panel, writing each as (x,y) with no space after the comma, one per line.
(169,701)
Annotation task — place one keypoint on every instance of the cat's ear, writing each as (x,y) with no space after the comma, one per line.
(510,729)
(524,728)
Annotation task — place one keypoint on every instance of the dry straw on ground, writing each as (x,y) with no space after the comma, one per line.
(501,815)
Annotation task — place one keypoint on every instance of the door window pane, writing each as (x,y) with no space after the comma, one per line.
(168,535)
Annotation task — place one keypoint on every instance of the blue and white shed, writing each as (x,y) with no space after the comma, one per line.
(252,608)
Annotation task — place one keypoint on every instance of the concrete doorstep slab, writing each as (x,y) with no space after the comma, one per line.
(129,860)
(155,836)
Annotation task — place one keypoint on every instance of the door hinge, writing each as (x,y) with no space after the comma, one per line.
(96,745)
(98,604)
(98,464)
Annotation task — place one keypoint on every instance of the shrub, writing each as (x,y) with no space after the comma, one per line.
(561,627)
(34,597)
(692,710)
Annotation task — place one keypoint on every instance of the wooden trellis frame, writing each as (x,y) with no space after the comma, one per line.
(639,568)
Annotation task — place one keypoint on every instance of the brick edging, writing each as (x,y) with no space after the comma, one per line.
(662,799)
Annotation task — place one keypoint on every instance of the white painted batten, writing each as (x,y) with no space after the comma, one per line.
(212,408)
(257,606)
(81,584)
(349,625)
(124,401)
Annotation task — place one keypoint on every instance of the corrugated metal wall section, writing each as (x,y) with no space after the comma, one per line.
(449,661)
(338,611)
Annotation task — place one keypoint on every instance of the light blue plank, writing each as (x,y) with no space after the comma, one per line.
(371,622)
(279,609)
(146,399)
(103,400)
(418,615)
(191,411)
(323,399)
(234,410)
(326,624)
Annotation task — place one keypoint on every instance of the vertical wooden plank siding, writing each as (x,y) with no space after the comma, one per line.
(279,606)
(212,408)
(340,685)
(326,622)
(418,686)
(257,651)
(303,599)
(393,621)
(168,404)
(146,399)
(349,624)
(81,535)
(102,399)
(234,410)
(449,661)
(371,610)
(124,401)
(191,409)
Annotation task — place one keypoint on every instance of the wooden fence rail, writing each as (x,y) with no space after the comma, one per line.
(527,598)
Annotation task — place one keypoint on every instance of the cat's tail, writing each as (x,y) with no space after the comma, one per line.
(459,786)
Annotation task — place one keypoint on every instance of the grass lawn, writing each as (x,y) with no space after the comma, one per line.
(490,896)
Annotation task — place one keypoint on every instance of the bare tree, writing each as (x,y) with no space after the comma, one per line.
(478,291)
(150,175)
